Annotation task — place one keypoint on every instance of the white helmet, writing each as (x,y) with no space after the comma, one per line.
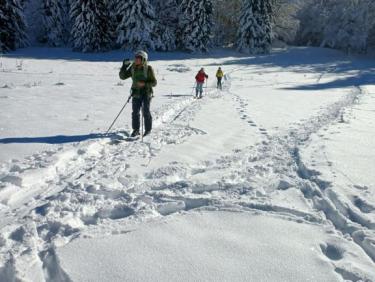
(142,54)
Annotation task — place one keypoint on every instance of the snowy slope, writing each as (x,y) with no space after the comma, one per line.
(235,167)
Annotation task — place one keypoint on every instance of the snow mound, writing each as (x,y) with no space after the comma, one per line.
(178,68)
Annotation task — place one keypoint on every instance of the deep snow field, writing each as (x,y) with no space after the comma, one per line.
(270,179)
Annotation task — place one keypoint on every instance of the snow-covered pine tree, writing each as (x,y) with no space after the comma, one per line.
(12,26)
(137,27)
(55,22)
(167,12)
(264,11)
(115,19)
(163,37)
(196,25)
(248,29)
(91,29)
(255,31)
(113,6)
(167,24)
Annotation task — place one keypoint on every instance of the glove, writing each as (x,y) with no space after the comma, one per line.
(126,63)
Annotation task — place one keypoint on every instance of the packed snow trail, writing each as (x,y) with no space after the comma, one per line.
(220,153)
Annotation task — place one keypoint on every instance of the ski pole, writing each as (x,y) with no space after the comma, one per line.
(192,91)
(119,113)
(142,121)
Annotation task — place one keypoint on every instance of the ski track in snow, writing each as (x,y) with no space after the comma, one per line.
(90,189)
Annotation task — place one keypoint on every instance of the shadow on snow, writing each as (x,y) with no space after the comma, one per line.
(349,71)
(58,139)
(45,53)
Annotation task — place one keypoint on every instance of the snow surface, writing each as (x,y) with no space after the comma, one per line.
(208,246)
(275,167)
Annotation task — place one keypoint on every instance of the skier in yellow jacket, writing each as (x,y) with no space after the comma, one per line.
(219,76)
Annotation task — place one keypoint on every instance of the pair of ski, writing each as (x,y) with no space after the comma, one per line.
(197,97)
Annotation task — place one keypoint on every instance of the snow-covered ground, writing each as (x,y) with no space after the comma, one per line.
(270,179)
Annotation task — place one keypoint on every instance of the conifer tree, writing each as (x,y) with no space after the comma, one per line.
(137,27)
(12,26)
(255,31)
(167,24)
(167,12)
(115,18)
(91,28)
(196,25)
(265,19)
(55,22)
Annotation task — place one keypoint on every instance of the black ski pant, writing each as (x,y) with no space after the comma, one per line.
(219,85)
(137,103)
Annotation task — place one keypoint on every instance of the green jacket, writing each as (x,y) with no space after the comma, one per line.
(137,73)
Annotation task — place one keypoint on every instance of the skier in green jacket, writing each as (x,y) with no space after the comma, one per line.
(143,81)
